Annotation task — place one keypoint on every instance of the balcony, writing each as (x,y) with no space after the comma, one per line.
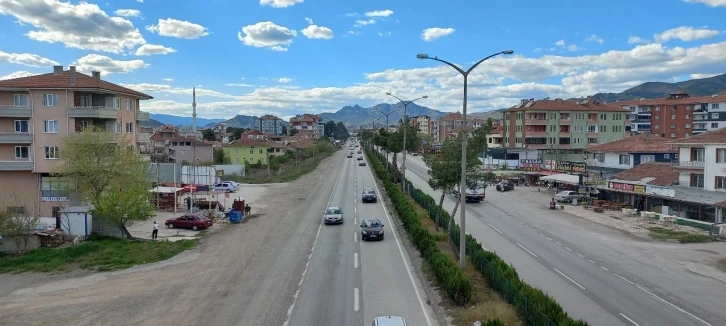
(142,116)
(565,121)
(690,164)
(536,146)
(93,112)
(143,138)
(16,138)
(528,133)
(16,164)
(536,122)
(16,111)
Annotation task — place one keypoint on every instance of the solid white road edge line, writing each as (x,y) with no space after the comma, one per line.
(527,250)
(400,250)
(356,299)
(567,277)
(628,319)
(624,279)
(307,264)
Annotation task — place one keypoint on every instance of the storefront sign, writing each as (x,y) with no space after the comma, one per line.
(530,165)
(627,187)
(567,166)
(660,191)
(548,165)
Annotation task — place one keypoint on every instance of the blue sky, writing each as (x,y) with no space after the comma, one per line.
(290,56)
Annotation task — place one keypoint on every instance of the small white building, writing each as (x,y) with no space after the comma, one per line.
(76,220)
(702,160)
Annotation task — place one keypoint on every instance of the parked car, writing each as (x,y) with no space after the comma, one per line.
(333,215)
(225,186)
(369,195)
(371,228)
(194,222)
(191,187)
(362,163)
(505,186)
(567,196)
(234,183)
(389,321)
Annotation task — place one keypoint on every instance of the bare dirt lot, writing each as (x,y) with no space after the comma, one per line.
(245,274)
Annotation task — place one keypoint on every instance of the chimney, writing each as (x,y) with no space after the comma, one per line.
(96,74)
(73,75)
(57,70)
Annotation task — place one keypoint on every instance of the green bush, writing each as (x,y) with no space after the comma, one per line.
(454,282)
(534,306)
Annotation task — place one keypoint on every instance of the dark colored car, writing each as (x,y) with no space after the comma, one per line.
(369,195)
(371,228)
(362,163)
(194,222)
(360,151)
(505,186)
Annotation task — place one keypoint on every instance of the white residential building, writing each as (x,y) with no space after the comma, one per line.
(702,160)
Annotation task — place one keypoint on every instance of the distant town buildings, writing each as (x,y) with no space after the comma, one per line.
(308,122)
(269,124)
(421,123)
(170,146)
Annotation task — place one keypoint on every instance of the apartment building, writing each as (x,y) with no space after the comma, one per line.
(36,112)
(308,122)
(450,125)
(421,123)
(269,124)
(702,160)
(627,153)
(562,128)
(676,116)
(495,138)
(170,146)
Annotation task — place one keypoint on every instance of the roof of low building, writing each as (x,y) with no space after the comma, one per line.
(63,80)
(269,117)
(640,143)
(249,143)
(192,140)
(565,105)
(717,136)
(307,143)
(652,173)
(673,101)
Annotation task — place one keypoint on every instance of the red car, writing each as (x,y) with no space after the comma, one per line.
(194,222)
(191,187)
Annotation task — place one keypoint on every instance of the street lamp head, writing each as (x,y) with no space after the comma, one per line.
(425,96)
(388,93)
(508,52)
(422,56)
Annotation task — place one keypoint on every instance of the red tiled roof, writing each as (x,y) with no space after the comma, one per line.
(307,143)
(663,174)
(641,143)
(249,143)
(564,105)
(717,136)
(252,132)
(63,80)
(456,116)
(305,118)
(669,101)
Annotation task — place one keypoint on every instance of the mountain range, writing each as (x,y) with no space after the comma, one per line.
(356,114)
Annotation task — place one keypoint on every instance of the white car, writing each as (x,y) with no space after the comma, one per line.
(224,186)
(567,196)
(389,321)
(234,183)
(333,215)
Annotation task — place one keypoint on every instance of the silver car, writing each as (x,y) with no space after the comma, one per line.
(389,321)
(333,215)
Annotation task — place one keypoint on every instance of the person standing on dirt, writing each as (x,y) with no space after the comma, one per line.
(155,232)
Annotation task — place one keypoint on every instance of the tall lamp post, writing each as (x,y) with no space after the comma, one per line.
(405,127)
(387,125)
(462,185)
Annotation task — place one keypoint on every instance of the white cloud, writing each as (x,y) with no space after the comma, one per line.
(239,85)
(431,34)
(385,34)
(27,59)
(284,80)
(310,21)
(168,89)
(595,38)
(84,26)
(711,3)
(568,47)
(699,76)
(106,65)
(127,13)
(153,49)
(319,32)
(169,79)
(267,35)
(178,28)
(355,33)
(18,74)
(636,40)
(379,13)
(140,1)
(685,33)
(560,43)
(360,23)
(351,14)
(280,3)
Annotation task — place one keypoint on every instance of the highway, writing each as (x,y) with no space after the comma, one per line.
(604,288)
(350,282)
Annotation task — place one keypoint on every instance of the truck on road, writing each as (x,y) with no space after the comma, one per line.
(475,192)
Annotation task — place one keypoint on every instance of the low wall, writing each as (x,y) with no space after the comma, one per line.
(8,244)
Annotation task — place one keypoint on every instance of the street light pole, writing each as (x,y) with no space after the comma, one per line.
(462,183)
(405,127)
(387,125)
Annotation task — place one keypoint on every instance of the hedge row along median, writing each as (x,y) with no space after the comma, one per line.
(456,285)
(534,306)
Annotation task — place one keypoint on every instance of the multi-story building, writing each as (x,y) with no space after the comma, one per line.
(495,138)
(269,124)
(562,128)
(676,116)
(627,153)
(309,122)
(702,160)
(421,123)
(450,125)
(171,147)
(36,112)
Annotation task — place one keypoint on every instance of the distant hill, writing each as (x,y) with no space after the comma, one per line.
(241,121)
(356,114)
(494,114)
(151,123)
(694,87)
(169,119)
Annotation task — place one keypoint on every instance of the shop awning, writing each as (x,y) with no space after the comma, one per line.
(547,172)
(166,190)
(565,178)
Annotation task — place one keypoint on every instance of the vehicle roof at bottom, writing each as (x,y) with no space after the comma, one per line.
(390,321)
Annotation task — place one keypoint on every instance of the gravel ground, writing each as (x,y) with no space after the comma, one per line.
(244,274)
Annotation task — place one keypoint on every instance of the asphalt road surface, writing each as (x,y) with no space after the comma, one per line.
(592,276)
(349,281)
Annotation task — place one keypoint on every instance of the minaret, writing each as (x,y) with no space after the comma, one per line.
(194,110)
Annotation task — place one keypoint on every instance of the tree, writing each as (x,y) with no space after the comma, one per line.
(16,222)
(293,131)
(284,129)
(479,137)
(209,134)
(236,132)
(341,132)
(220,157)
(329,129)
(104,169)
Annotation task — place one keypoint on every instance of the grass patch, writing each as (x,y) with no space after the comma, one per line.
(485,303)
(660,233)
(98,254)
(286,172)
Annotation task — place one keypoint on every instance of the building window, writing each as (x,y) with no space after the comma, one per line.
(84,100)
(116,103)
(183,152)
(20,100)
(657,126)
(22,152)
(624,159)
(51,152)
(117,127)
(129,127)
(688,134)
(647,158)
(673,117)
(698,154)
(657,108)
(673,126)
(697,180)
(673,135)
(714,106)
(50,99)
(261,151)
(51,126)
(688,116)
(21,126)
(720,183)
(714,115)
(714,125)
(667,156)
(721,155)
(657,117)
(128,104)
(252,151)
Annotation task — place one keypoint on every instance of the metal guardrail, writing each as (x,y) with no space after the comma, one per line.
(690,164)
